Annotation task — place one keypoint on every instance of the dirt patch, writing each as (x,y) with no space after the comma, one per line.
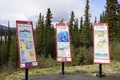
(74,76)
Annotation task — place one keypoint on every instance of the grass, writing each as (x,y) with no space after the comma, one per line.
(113,68)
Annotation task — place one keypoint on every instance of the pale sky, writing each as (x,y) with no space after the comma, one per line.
(13,10)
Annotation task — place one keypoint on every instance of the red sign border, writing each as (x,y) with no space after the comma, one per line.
(101,24)
(62,24)
(24,22)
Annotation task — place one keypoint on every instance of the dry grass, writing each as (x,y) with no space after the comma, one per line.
(113,68)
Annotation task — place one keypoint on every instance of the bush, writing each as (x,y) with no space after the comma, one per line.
(44,62)
(82,56)
(115,51)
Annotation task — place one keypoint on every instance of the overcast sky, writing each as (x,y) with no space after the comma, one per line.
(13,10)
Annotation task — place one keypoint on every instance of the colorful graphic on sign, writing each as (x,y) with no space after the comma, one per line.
(63,43)
(27,54)
(101,43)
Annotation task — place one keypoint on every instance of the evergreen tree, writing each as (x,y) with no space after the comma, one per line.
(95,21)
(5,32)
(49,48)
(118,16)
(1,33)
(81,23)
(3,54)
(71,22)
(111,16)
(76,40)
(86,33)
(100,18)
(13,55)
(81,28)
(103,17)
(9,40)
(38,36)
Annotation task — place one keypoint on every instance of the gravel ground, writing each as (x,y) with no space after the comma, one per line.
(74,76)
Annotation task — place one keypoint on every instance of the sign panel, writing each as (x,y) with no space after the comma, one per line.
(101,43)
(26,46)
(63,43)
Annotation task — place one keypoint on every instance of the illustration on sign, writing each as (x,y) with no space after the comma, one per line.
(63,36)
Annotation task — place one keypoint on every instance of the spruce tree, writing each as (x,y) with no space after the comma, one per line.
(13,55)
(95,21)
(4,54)
(111,16)
(118,16)
(81,23)
(48,34)
(71,22)
(38,36)
(103,18)
(9,40)
(1,34)
(76,39)
(86,33)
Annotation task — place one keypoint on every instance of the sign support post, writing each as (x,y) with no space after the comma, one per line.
(63,68)
(26,73)
(101,46)
(100,72)
(63,53)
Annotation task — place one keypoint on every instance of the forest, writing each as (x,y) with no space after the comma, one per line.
(81,37)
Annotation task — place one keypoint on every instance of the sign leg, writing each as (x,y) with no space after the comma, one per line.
(63,68)
(26,73)
(100,72)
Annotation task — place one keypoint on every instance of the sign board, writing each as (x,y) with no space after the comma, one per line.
(63,43)
(26,46)
(101,43)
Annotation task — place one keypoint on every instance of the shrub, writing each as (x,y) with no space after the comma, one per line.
(115,51)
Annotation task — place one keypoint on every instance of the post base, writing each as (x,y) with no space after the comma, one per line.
(102,75)
(62,73)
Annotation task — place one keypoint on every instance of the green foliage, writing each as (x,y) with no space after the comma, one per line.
(76,38)
(8,50)
(81,23)
(112,18)
(3,54)
(71,22)
(86,33)
(82,56)
(49,35)
(115,51)
(13,56)
(44,62)
(39,35)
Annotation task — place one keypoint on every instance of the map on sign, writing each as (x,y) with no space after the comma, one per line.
(63,36)
(101,43)
(27,53)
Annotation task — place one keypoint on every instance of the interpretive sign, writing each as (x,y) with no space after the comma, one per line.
(26,46)
(63,43)
(101,43)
